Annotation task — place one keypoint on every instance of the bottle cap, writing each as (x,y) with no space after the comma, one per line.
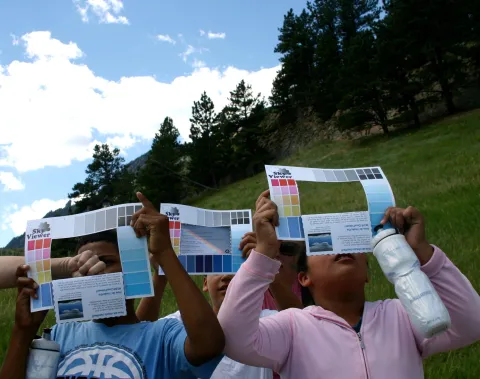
(45,343)
(381,235)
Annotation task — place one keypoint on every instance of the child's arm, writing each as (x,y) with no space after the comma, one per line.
(205,339)
(9,264)
(281,287)
(456,292)
(149,307)
(264,342)
(61,268)
(24,329)
(8,267)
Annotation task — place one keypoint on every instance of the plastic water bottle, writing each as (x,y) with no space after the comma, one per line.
(398,261)
(43,358)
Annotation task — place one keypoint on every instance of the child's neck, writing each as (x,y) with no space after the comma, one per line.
(349,308)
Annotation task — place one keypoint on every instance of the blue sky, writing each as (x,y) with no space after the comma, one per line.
(78,72)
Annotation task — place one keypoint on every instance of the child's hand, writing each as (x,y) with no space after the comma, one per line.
(24,319)
(248,243)
(149,222)
(86,264)
(411,224)
(265,219)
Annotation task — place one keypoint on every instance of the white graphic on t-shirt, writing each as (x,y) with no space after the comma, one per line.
(103,361)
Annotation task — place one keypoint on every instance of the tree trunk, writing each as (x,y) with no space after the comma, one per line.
(384,128)
(415,112)
(381,114)
(444,84)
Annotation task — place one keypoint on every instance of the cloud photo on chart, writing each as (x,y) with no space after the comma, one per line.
(54,104)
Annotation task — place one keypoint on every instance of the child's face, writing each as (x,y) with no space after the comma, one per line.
(107,253)
(216,286)
(336,272)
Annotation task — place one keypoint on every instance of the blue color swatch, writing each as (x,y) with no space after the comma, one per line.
(210,264)
(379,198)
(44,300)
(135,263)
(290,228)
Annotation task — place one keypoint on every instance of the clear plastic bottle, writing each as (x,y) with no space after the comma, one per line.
(43,358)
(398,261)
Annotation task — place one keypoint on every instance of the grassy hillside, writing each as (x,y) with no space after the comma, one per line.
(435,169)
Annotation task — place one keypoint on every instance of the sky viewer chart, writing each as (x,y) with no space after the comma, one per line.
(282,181)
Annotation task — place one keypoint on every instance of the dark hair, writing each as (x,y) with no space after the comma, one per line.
(302,266)
(108,236)
(291,249)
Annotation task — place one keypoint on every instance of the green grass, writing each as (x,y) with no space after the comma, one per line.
(436,169)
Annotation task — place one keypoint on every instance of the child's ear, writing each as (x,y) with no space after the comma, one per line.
(205,286)
(304,279)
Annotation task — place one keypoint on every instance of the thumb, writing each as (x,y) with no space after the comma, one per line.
(145,202)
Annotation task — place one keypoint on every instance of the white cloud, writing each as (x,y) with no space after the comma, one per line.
(107,11)
(41,46)
(15,39)
(198,63)
(192,50)
(166,38)
(10,182)
(202,33)
(212,35)
(52,104)
(16,218)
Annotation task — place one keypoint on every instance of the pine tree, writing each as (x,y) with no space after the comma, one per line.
(205,154)
(243,115)
(102,174)
(294,85)
(160,178)
(436,32)
(326,35)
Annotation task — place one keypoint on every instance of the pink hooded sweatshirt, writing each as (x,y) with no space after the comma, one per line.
(316,343)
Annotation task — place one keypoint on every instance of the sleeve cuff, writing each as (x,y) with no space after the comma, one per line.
(262,266)
(436,262)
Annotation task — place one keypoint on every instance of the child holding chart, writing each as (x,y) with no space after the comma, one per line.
(342,336)
(124,347)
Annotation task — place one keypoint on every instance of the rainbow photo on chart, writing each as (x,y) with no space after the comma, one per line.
(207,241)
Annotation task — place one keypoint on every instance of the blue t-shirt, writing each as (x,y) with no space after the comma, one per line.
(147,350)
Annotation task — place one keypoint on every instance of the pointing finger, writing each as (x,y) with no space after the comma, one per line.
(145,202)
